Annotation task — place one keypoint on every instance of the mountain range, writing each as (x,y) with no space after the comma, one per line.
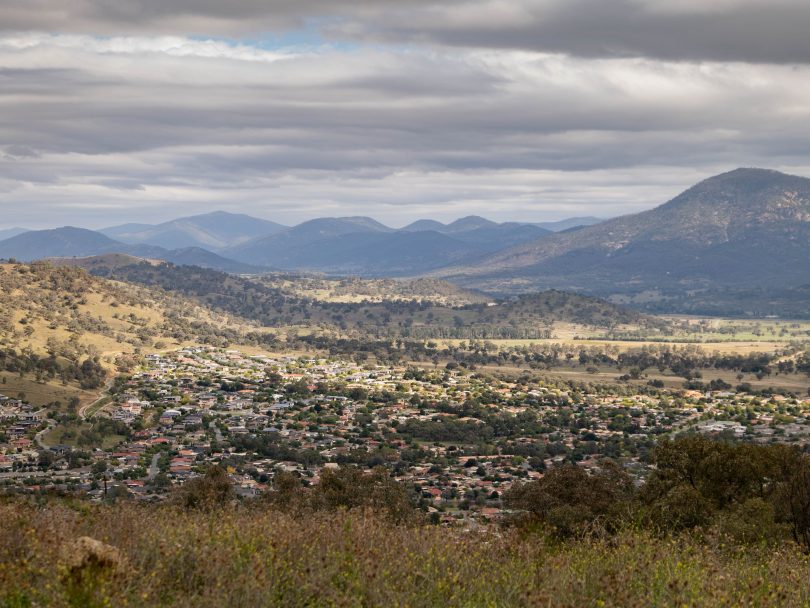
(736,243)
(212,231)
(745,230)
(242,244)
(359,245)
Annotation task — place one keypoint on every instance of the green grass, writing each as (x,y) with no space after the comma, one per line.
(251,556)
(68,434)
(97,406)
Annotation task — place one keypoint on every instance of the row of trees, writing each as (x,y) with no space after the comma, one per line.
(345,488)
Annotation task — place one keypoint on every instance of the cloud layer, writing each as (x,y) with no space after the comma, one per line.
(510,109)
(722,30)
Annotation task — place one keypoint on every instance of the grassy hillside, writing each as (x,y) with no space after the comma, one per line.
(67,312)
(242,557)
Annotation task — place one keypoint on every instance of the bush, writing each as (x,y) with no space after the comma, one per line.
(572,502)
(751,522)
(207,492)
(346,489)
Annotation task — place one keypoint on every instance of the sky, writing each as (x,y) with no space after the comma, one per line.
(115,111)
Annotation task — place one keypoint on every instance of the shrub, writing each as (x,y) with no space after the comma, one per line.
(206,492)
(571,501)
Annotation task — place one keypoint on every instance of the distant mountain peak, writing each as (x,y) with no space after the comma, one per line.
(743,196)
(213,231)
(748,179)
(341,225)
(470,222)
(749,172)
(747,227)
(424,225)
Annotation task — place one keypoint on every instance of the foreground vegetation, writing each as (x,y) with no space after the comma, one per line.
(715,525)
(262,557)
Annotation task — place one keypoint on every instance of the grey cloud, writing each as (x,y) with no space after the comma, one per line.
(718,30)
(747,30)
(203,17)
(141,133)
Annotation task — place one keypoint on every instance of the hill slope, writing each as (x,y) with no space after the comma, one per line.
(273,302)
(743,228)
(568,223)
(68,313)
(59,242)
(10,232)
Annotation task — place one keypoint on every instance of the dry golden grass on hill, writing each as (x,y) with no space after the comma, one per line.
(66,311)
(43,393)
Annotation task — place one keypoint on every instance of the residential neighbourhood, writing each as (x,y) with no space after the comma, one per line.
(457,438)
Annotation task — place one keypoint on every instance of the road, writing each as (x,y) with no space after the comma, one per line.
(38,438)
(102,395)
(217,433)
(56,475)
(153,468)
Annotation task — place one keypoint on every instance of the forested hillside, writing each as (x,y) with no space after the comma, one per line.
(274,304)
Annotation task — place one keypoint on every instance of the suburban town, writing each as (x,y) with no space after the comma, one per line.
(457,438)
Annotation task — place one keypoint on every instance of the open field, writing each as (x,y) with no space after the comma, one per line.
(726,347)
(68,434)
(42,393)
(797,383)
(354,290)
(711,334)
(718,330)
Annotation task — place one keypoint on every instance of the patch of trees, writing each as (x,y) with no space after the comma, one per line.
(95,435)
(748,493)
(474,332)
(456,431)
(345,489)
(88,373)
(269,446)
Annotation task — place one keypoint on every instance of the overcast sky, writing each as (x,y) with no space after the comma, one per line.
(531,110)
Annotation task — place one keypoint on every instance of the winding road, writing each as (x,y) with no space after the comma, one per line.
(102,395)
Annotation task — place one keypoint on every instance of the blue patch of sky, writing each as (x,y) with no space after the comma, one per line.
(309,36)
